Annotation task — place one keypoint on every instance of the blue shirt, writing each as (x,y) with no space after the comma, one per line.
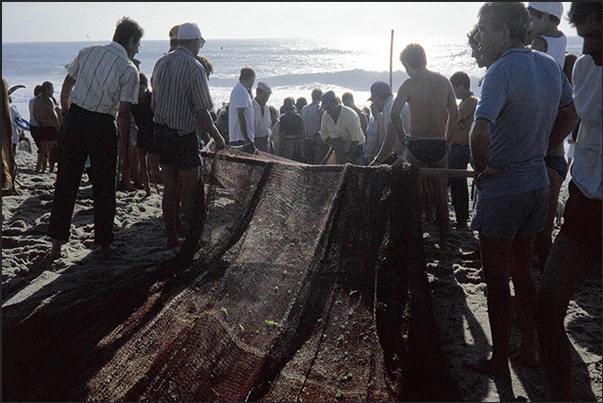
(521,95)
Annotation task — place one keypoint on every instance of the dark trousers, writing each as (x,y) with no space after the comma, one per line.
(458,159)
(84,134)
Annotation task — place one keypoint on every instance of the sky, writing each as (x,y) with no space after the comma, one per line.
(95,21)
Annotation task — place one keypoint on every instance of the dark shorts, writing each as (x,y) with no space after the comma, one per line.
(144,140)
(179,151)
(427,150)
(47,133)
(515,216)
(582,219)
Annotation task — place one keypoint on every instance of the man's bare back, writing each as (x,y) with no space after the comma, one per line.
(44,112)
(433,110)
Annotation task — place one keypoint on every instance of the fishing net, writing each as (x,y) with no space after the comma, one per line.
(307,283)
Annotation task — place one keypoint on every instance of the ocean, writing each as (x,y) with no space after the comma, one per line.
(292,67)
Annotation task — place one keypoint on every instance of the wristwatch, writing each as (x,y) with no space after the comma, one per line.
(483,174)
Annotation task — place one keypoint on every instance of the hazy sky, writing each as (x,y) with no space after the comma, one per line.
(56,22)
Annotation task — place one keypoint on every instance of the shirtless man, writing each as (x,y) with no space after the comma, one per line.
(45,114)
(433,120)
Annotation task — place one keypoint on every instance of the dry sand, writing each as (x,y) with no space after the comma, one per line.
(457,287)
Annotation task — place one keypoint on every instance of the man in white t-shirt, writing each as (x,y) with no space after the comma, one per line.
(240,116)
(261,118)
(577,247)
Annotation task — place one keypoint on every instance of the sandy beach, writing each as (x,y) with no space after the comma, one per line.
(457,288)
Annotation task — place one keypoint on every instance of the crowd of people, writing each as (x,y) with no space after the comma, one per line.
(512,137)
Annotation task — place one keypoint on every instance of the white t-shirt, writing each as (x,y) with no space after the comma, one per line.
(240,98)
(262,122)
(14,115)
(556,48)
(586,165)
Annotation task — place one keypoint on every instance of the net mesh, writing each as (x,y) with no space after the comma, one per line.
(307,283)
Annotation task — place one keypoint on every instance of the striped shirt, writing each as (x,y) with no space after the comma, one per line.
(180,90)
(104,76)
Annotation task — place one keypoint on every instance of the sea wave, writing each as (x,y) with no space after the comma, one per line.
(356,79)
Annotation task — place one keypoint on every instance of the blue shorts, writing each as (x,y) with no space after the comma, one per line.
(516,216)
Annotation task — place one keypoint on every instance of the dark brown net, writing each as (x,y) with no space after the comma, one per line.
(307,283)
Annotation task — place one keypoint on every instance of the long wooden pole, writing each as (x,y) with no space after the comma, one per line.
(391,58)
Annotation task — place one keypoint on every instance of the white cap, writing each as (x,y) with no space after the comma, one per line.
(553,8)
(189,30)
(264,87)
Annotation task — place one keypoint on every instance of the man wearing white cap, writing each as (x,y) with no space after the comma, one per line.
(182,103)
(546,36)
(261,117)
(240,115)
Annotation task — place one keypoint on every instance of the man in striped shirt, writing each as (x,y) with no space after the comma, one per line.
(182,102)
(101,83)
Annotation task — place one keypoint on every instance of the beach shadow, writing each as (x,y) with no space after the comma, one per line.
(51,337)
(76,311)
(589,294)
(124,254)
(464,341)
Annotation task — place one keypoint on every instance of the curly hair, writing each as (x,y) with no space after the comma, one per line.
(414,56)
(127,29)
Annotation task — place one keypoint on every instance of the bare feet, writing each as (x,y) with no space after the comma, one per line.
(55,251)
(105,250)
(494,368)
(173,243)
(462,225)
(527,357)
(475,255)
(125,187)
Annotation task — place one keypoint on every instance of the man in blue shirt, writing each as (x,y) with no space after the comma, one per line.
(526,106)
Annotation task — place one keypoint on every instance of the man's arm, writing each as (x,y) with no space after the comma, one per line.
(66,90)
(338,147)
(208,126)
(243,124)
(539,44)
(123,130)
(453,115)
(397,106)
(389,142)
(565,122)
(52,113)
(479,142)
